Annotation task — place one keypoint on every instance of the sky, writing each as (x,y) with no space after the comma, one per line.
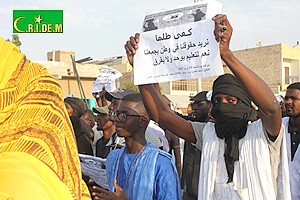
(99,29)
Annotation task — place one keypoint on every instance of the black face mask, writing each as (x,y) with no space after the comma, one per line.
(231,121)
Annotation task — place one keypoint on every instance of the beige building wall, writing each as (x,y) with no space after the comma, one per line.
(64,73)
(266,62)
(291,60)
(166,87)
(70,86)
(119,63)
(60,56)
(278,65)
(269,62)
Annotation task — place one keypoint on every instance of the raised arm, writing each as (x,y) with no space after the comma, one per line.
(259,91)
(154,103)
(100,97)
(163,115)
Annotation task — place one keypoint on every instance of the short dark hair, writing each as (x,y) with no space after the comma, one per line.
(136,98)
(294,86)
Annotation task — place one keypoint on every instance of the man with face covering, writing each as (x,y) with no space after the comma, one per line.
(240,159)
(231,120)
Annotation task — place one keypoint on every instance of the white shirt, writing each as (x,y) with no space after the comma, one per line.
(260,173)
(294,166)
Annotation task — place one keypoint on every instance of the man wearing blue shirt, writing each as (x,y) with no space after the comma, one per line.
(139,170)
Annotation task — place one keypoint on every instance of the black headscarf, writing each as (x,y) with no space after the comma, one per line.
(231,120)
(76,104)
(78,108)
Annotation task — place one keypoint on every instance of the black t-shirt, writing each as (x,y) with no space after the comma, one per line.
(102,150)
(295,140)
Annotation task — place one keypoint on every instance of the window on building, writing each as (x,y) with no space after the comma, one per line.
(286,75)
(185,85)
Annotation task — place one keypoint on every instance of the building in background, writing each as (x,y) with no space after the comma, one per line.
(278,65)
(59,65)
(121,64)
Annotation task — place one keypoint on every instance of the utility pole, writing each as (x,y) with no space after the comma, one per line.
(82,95)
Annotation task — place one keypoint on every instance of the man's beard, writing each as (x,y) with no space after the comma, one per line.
(292,114)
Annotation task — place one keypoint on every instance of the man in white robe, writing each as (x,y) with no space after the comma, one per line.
(292,132)
(239,160)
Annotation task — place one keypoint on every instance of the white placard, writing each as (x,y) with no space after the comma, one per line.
(107,77)
(95,168)
(178,44)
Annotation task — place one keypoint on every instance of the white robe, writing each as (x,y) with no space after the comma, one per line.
(294,166)
(253,176)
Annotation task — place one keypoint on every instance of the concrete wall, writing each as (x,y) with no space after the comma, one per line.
(60,56)
(266,62)
(291,59)
(64,73)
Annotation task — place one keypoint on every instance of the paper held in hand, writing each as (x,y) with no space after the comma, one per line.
(178,44)
(106,78)
(95,168)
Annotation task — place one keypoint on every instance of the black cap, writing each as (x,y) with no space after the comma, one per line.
(201,96)
(120,94)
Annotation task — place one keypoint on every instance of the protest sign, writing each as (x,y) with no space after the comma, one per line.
(178,44)
(107,77)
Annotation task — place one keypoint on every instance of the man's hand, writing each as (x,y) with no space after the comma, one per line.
(99,193)
(223,32)
(131,46)
(96,95)
(102,93)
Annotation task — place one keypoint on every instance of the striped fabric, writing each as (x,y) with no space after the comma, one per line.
(34,124)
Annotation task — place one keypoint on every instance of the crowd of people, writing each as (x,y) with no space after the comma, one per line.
(231,150)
